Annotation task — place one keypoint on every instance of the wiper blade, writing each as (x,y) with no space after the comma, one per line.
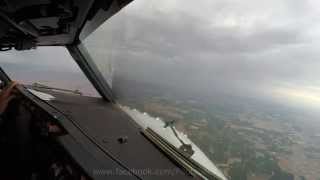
(186,149)
(41,86)
(191,166)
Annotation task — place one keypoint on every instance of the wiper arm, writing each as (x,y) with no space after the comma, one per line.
(185,148)
(191,166)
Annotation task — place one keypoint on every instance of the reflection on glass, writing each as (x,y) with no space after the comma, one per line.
(229,74)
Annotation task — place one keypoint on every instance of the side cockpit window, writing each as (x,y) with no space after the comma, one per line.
(46,66)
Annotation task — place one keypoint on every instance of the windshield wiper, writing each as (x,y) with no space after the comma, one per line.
(190,165)
(41,86)
(186,149)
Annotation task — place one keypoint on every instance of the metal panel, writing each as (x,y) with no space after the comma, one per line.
(92,73)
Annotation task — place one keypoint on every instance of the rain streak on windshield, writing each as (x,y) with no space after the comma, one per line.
(236,79)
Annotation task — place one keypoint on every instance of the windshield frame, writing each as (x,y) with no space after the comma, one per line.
(102,12)
(81,55)
(97,17)
(88,67)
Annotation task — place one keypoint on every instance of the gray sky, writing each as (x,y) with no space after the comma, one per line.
(246,47)
(51,66)
(260,48)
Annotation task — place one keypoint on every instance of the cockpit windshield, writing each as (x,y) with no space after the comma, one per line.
(236,79)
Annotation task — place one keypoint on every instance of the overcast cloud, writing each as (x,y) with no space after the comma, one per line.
(248,47)
(251,48)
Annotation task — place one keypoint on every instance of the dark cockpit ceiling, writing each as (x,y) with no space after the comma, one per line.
(30,23)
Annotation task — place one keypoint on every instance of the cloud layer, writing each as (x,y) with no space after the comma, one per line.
(244,47)
(248,47)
